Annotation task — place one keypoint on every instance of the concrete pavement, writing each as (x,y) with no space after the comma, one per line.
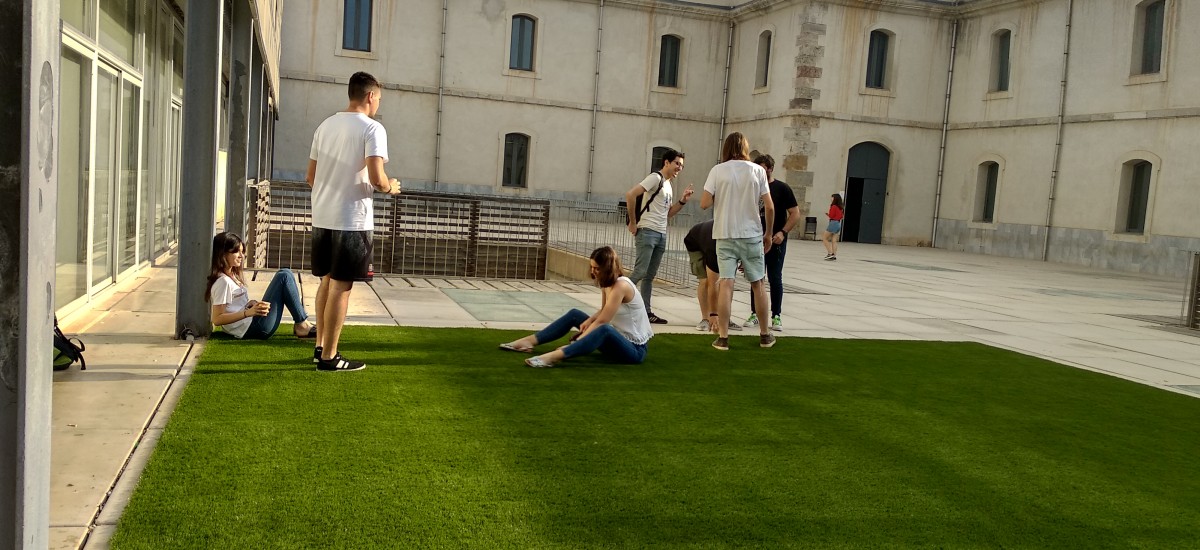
(106,419)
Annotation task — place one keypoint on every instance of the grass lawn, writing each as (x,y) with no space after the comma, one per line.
(444,441)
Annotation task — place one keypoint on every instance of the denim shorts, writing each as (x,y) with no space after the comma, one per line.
(834,226)
(749,251)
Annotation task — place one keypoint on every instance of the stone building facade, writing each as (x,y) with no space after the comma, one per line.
(966,125)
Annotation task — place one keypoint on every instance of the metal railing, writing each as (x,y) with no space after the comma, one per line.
(416,233)
(1191,304)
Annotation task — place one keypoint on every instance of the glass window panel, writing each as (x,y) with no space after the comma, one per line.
(118,27)
(356,25)
(107,96)
(877,60)
(1003,42)
(1139,198)
(75,120)
(520,55)
(764,59)
(127,191)
(1152,36)
(516,157)
(656,158)
(177,64)
(77,13)
(989,198)
(668,62)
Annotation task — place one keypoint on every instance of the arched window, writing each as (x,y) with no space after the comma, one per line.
(656,157)
(516,160)
(520,53)
(668,61)
(764,59)
(1001,45)
(878,60)
(985,192)
(1148,37)
(356,25)
(1136,196)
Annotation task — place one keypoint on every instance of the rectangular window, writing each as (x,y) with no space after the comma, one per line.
(520,55)
(516,158)
(118,27)
(764,59)
(1003,42)
(1152,37)
(668,62)
(877,54)
(356,25)
(1139,198)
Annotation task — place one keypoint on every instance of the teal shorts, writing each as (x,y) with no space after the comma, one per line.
(748,251)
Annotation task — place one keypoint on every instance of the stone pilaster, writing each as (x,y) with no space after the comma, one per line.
(798,133)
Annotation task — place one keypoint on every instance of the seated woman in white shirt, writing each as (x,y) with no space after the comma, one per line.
(619,330)
(232,308)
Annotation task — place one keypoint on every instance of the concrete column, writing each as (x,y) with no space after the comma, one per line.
(198,167)
(239,108)
(254,140)
(29,47)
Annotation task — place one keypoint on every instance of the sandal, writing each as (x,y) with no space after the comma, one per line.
(510,347)
(538,363)
(312,333)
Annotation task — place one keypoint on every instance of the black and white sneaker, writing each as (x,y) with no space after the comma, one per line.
(340,364)
(317,354)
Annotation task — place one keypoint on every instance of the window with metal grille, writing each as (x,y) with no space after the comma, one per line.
(516,159)
(668,61)
(877,60)
(356,25)
(764,59)
(1001,45)
(1148,39)
(520,53)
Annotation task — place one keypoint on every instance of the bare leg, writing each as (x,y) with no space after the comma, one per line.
(322,294)
(528,342)
(554,356)
(336,303)
(833,239)
(825,240)
(714,294)
(702,292)
(724,303)
(762,307)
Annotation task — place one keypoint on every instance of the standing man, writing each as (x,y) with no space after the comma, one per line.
(787,213)
(650,232)
(345,164)
(734,187)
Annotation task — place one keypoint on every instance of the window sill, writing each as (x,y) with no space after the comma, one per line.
(356,54)
(1128,237)
(1149,78)
(522,74)
(666,90)
(880,92)
(761,90)
(991,96)
(990,226)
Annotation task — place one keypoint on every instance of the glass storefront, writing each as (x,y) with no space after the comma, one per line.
(119,111)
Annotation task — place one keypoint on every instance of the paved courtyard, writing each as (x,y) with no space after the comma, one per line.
(106,419)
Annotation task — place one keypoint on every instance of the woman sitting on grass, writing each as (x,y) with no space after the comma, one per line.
(620,330)
(234,311)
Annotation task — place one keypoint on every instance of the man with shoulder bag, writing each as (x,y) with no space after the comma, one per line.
(647,221)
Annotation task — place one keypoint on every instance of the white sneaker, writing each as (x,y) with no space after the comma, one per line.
(752,321)
(704,326)
(776,324)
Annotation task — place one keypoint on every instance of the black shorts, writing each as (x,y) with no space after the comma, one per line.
(343,255)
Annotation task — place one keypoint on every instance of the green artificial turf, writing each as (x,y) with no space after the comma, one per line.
(446,442)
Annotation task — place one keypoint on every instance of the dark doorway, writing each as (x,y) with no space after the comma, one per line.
(866,193)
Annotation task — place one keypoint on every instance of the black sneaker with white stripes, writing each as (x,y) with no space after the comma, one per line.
(340,364)
(317,354)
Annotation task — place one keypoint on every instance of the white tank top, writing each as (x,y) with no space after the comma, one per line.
(631,320)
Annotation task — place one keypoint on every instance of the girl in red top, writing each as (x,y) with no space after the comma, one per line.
(835,226)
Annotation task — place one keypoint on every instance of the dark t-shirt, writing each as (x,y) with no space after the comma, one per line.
(699,239)
(784,198)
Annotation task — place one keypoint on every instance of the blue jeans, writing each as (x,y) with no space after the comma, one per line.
(774,263)
(282,292)
(649,246)
(612,344)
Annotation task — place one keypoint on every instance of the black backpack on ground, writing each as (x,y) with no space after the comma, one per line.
(67,350)
(638,210)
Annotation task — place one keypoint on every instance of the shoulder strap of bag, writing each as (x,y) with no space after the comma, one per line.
(648,202)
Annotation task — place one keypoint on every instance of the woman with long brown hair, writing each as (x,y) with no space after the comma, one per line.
(830,236)
(232,308)
(620,329)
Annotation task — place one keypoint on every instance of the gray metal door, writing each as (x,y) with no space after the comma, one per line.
(867,169)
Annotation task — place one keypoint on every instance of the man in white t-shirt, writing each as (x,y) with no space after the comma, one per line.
(650,232)
(734,189)
(345,166)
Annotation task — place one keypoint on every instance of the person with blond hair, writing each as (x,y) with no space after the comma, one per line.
(733,190)
(619,329)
